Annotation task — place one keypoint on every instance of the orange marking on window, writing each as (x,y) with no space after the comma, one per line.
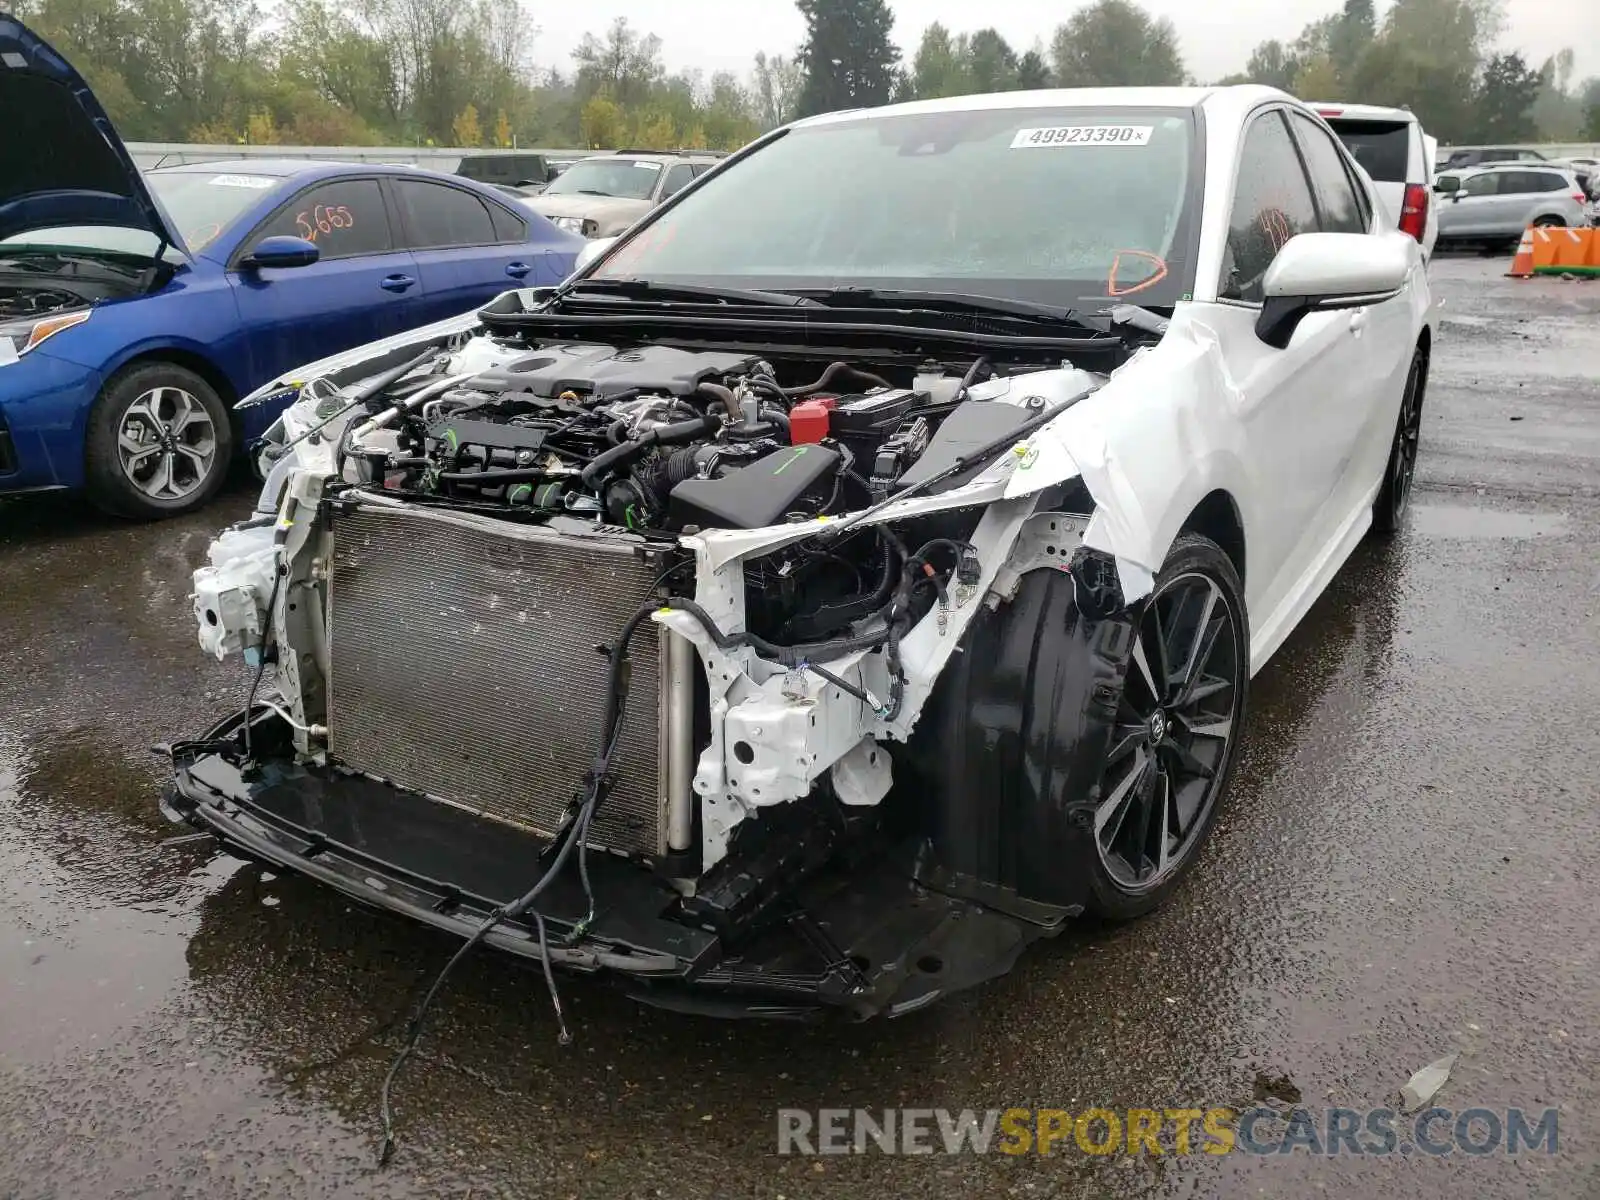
(1116,265)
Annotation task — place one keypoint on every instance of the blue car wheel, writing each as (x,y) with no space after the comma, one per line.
(159,443)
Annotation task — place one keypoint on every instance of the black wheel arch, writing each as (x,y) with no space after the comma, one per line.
(1009,752)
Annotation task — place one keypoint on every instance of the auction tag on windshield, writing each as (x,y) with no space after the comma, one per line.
(1083,135)
(258,183)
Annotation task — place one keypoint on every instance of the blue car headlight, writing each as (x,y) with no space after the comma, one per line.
(24,335)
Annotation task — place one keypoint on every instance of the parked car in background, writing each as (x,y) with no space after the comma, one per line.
(1496,202)
(1391,146)
(134,309)
(508,168)
(1483,155)
(602,196)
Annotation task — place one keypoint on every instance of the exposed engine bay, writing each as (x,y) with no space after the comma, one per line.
(40,285)
(659,439)
(675,611)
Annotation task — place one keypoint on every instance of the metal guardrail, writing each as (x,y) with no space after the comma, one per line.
(171,154)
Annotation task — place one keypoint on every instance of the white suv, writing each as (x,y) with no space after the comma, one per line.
(1497,202)
(1391,146)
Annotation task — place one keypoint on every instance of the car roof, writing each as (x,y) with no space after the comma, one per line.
(1158,97)
(294,168)
(1532,164)
(1335,110)
(663,156)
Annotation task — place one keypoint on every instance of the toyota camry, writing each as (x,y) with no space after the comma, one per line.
(846,577)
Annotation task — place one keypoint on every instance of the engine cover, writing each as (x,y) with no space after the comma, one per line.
(592,368)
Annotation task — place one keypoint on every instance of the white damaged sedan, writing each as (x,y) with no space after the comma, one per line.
(848,576)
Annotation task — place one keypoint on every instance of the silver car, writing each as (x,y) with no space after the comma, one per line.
(1499,201)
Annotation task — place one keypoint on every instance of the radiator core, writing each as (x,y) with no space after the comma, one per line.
(464,666)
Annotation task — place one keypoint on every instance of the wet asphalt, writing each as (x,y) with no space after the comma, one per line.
(1407,867)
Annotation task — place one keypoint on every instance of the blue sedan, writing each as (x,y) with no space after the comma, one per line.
(135,309)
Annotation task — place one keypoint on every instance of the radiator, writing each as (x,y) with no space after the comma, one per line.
(463,666)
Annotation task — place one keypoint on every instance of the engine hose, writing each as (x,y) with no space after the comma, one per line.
(774,416)
(981,363)
(724,397)
(833,372)
(612,460)
(617,432)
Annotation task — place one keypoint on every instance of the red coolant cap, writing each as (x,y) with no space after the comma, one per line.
(808,421)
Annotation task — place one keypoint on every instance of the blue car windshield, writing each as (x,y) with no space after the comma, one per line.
(202,206)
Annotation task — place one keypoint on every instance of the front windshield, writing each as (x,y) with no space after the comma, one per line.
(1053,204)
(203,204)
(625,178)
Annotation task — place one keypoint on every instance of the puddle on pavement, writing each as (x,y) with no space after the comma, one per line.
(1462,521)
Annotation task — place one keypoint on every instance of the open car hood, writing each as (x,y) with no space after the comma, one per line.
(64,164)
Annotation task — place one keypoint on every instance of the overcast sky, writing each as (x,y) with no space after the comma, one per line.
(725,34)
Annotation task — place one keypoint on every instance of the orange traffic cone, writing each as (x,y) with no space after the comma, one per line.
(1522,264)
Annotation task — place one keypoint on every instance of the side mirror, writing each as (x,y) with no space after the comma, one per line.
(1324,272)
(280,252)
(591,251)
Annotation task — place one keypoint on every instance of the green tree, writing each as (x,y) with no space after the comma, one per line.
(848,55)
(939,68)
(1272,65)
(991,62)
(1115,43)
(1558,109)
(624,63)
(1350,36)
(1427,58)
(1033,72)
(778,84)
(466,128)
(601,123)
(1589,94)
(1505,99)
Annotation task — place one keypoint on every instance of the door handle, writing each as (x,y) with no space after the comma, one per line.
(517,269)
(1358,321)
(396,283)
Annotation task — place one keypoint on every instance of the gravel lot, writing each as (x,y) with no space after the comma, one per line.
(1400,874)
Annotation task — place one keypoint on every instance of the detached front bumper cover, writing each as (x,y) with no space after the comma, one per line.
(867,936)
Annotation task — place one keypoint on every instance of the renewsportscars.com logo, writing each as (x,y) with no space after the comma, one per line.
(1106,1131)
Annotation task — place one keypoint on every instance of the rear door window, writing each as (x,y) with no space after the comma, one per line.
(1519,183)
(1383,148)
(507,228)
(438,215)
(678,178)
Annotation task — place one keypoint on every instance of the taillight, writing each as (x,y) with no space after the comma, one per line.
(1580,197)
(1414,211)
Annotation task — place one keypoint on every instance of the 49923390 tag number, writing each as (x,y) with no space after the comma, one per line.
(1082,135)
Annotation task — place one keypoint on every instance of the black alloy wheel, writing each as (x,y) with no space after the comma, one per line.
(1389,509)
(1172,743)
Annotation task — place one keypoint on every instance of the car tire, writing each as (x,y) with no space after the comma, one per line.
(1399,473)
(159,442)
(1550,223)
(1197,611)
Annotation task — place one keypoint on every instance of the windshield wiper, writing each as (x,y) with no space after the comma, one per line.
(645,289)
(999,306)
(586,192)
